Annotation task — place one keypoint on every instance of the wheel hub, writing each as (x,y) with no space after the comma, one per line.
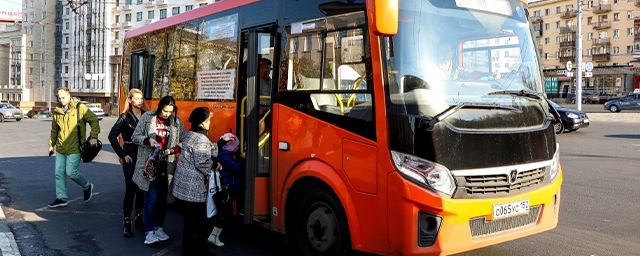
(322,229)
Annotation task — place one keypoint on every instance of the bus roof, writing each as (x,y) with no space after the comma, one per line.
(190,15)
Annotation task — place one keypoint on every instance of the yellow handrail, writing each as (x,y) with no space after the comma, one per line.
(242,116)
(356,85)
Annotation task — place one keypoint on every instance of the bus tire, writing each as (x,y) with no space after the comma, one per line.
(322,228)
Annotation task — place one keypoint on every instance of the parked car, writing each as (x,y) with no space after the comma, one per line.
(96,110)
(42,114)
(588,97)
(8,111)
(572,119)
(629,102)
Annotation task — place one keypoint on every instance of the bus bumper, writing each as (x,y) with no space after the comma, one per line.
(451,226)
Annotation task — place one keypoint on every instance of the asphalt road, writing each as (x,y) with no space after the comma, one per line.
(599,213)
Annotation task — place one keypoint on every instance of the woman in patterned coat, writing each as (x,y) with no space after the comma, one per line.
(190,182)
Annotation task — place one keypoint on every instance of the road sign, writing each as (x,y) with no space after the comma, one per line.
(569,74)
(569,65)
(589,67)
(588,73)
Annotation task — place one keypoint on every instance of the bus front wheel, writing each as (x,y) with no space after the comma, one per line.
(322,227)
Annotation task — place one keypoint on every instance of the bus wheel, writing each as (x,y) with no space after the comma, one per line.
(322,225)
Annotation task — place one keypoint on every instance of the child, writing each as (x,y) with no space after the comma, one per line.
(232,177)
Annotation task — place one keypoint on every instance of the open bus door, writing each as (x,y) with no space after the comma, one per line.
(258,53)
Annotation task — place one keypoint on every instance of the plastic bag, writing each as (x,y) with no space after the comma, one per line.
(214,184)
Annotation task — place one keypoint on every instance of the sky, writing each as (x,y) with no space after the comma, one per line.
(11,5)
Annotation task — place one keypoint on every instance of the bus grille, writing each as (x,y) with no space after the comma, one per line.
(481,227)
(498,185)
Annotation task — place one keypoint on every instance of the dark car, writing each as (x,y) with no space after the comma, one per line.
(43,114)
(572,119)
(629,102)
(588,98)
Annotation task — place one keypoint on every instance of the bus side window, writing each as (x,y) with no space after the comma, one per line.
(326,76)
(142,68)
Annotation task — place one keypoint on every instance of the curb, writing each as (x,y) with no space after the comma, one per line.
(8,246)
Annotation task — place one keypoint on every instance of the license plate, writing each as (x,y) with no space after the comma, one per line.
(586,120)
(510,209)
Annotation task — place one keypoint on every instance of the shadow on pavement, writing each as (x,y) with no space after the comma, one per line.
(623,136)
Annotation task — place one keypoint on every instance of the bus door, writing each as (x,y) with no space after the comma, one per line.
(256,120)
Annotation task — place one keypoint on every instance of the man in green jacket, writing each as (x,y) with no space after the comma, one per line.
(64,137)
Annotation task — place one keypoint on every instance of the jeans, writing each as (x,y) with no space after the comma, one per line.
(67,165)
(155,203)
(131,191)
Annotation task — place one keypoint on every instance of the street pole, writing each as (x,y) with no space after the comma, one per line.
(578,97)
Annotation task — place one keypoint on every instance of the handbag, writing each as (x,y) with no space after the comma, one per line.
(214,184)
(87,152)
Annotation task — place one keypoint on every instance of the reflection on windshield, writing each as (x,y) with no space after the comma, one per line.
(444,54)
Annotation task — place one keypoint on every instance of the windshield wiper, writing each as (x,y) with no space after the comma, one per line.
(521,93)
(454,108)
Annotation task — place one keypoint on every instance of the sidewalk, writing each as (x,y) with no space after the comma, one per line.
(8,246)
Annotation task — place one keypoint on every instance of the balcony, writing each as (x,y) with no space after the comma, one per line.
(568,44)
(66,16)
(569,14)
(126,24)
(161,2)
(535,19)
(148,21)
(125,8)
(602,57)
(636,3)
(601,8)
(115,9)
(601,41)
(537,32)
(115,25)
(66,46)
(65,61)
(636,53)
(568,29)
(602,25)
(149,4)
(65,75)
(564,59)
(116,41)
(66,31)
(636,36)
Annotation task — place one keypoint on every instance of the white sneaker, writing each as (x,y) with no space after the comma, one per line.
(214,237)
(150,238)
(160,234)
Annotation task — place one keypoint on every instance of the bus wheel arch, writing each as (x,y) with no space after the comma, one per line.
(309,196)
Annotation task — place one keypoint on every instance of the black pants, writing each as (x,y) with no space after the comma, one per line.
(224,215)
(197,226)
(132,191)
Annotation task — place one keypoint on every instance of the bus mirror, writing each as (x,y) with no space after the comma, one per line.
(383,16)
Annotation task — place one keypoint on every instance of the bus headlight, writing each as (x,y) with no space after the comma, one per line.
(430,174)
(555,163)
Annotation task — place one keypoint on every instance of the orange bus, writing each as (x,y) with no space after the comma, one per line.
(394,127)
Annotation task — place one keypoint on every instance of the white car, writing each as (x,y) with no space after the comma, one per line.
(96,110)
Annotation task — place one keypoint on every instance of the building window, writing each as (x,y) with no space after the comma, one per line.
(589,36)
(629,31)
(66,25)
(44,15)
(44,2)
(557,39)
(616,33)
(43,43)
(66,55)
(546,55)
(150,15)
(30,71)
(66,40)
(616,1)
(30,44)
(558,9)
(557,55)
(629,15)
(66,84)
(202,4)
(536,13)
(139,16)
(116,51)
(117,18)
(175,10)
(127,17)
(547,12)
(546,40)
(557,24)
(616,50)
(616,16)
(163,14)
(66,69)
(629,48)
(188,8)
(139,2)
(569,7)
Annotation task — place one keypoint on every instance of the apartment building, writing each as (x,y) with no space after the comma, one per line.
(84,36)
(38,56)
(11,47)
(609,41)
(132,14)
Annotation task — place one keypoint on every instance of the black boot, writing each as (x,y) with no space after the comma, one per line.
(139,222)
(127,227)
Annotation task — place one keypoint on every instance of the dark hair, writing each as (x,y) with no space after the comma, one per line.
(167,101)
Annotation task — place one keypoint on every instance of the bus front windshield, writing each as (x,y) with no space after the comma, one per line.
(448,52)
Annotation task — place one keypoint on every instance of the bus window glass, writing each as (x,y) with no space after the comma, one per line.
(305,59)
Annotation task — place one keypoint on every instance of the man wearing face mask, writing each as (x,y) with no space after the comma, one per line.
(64,139)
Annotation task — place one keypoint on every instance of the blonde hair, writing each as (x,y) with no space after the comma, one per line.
(128,107)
